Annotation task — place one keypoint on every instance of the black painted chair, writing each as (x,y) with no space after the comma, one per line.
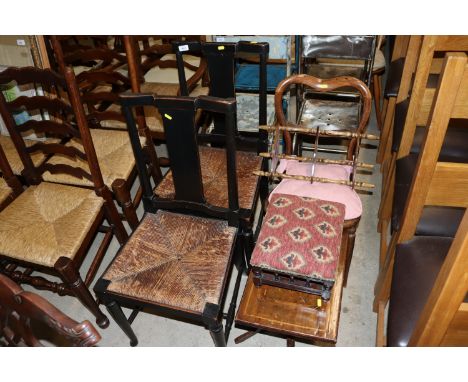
(179,260)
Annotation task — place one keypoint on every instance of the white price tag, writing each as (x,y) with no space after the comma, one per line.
(20,42)
(219,39)
(183,48)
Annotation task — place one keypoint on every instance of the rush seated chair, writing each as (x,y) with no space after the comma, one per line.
(179,260)
(99,91)
(49,227)
(27,318)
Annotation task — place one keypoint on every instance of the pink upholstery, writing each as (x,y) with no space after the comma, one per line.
(325,191)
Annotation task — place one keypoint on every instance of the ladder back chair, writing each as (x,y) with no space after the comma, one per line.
(434,181)
(180,258)
(49,227)
(27,318)
(100,89)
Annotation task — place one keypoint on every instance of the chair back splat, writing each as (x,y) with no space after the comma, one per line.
(182,144)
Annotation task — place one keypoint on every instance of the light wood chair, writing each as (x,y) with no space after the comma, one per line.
(408,130)
(49,227)
(435,183)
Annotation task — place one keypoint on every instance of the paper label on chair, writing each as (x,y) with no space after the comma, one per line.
(168,116)
(21,42)
(221,47)
(183,48)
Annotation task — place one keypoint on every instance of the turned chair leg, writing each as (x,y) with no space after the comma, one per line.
(70,275)
(217,334)
(122,195)
(119,317)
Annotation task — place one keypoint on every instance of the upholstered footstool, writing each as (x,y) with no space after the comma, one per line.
(299,244)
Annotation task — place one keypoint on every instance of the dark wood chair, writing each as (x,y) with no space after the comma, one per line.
(100,89)
(157,70)
(22,314)
(49,227)
(179,260)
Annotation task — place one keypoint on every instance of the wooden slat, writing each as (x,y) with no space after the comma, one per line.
(449,185)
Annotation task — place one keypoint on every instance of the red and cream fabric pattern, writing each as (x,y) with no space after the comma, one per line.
(300,236)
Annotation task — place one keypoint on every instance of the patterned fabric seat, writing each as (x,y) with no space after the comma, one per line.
(300,236)
(114,153)
(55,219)
(213,167)
(174,260)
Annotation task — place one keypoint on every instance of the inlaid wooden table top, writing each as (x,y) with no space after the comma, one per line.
(292,313)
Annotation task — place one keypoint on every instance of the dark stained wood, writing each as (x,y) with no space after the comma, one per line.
(19,310)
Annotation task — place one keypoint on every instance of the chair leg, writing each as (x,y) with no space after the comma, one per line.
(122,194)
(380,337)
(386,129)
(290,343)
(119,317)
(70,275)
(217,334)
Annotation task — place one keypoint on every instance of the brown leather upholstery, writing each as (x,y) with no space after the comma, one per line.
(455,146)
(114,153)
(417,264)
(13,157)
(435,220)
(55,219)
(213,166)
(392,86)
(174,260)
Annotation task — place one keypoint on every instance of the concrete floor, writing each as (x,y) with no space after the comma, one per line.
(357,321)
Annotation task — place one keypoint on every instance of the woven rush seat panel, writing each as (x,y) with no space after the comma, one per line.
(174,260)
(153,118)
(5,190)
(300,236)
(114,154)
(13,157)
(46,222)
(330,115)
(213,167)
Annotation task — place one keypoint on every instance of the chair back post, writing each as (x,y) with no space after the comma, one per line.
(324,85)
(128,101)
(221,68)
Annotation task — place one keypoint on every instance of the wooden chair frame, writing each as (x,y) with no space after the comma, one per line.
(65,268)
(20,309)
(434,183)
(190,199)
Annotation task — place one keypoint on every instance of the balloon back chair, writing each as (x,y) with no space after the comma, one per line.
(49,227)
